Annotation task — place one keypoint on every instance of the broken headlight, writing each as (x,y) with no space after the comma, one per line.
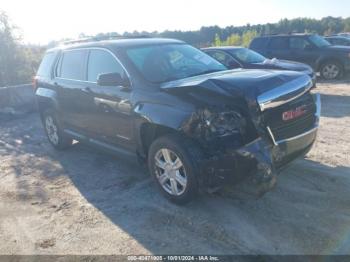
(222,124)
(217,129)
(226,128)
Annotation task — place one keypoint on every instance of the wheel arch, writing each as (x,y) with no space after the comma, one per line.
(155,120)
(46,99)
(324,60)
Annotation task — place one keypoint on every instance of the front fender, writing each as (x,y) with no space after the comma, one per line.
(163,115)
(159,115)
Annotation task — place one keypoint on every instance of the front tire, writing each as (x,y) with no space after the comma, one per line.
(173,163)
(57,138)
(331,70)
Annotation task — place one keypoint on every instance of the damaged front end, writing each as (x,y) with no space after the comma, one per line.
(233,149)
(253,141)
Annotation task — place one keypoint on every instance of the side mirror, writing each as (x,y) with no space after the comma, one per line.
(112,79)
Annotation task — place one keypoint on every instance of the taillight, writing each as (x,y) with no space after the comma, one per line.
(35,83)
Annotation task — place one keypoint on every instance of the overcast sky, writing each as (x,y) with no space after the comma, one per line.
(45,20)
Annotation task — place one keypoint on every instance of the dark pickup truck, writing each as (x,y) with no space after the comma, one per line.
(195,123)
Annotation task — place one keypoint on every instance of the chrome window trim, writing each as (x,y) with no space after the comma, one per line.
(285,93)
(314,129)
(95,48)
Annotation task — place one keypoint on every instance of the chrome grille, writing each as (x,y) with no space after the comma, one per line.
(281,129)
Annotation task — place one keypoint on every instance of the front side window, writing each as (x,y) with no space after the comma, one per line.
(161,63)
(224,59)
(102,62)
(247,56)
(298,43)
(73,65)
(319,41)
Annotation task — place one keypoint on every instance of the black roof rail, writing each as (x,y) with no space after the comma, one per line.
(102,38)
(285,34)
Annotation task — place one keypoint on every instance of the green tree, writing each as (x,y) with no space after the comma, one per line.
(18,63)
(217,40)
(248,36)
(347,25)
(9,60)
(234,39)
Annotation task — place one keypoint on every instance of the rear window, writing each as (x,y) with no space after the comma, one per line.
(73,65)
(46,64)
(259,43)
(278,43)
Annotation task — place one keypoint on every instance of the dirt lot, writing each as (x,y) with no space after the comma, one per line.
(82,201)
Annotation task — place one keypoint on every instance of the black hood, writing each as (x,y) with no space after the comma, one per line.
(248,83)
(285,65)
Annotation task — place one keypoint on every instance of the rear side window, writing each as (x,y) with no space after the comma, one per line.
(259,43)
(102,62)
(73,65)
(46,65)
(278,43)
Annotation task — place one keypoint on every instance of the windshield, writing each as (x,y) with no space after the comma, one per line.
(248,56)
(319,41)
(161,63)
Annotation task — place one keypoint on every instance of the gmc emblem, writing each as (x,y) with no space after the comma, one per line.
(292,114)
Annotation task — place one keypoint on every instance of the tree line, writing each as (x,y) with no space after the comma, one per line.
(242,35)
(19,62)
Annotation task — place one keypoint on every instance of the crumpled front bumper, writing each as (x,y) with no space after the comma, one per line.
(262,158)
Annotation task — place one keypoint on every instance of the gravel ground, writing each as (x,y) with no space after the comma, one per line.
(83,201)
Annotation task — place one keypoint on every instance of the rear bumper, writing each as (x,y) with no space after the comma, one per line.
(261,159)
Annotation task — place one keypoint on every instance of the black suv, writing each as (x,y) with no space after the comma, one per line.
(331,61)
(195,123)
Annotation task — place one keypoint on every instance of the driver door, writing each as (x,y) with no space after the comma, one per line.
(111,109)
(301,50)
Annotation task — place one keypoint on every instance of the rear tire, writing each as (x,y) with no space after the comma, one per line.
(331,70)
(57,138)
(173,162)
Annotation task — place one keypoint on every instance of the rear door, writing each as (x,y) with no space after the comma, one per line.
(259,45)
(278,48)
(70,78)
(110,107)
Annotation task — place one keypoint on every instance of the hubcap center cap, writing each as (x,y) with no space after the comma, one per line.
(169,168)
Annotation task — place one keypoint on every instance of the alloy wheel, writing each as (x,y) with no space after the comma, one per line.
(170,172)
(51,129)
(330,71)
